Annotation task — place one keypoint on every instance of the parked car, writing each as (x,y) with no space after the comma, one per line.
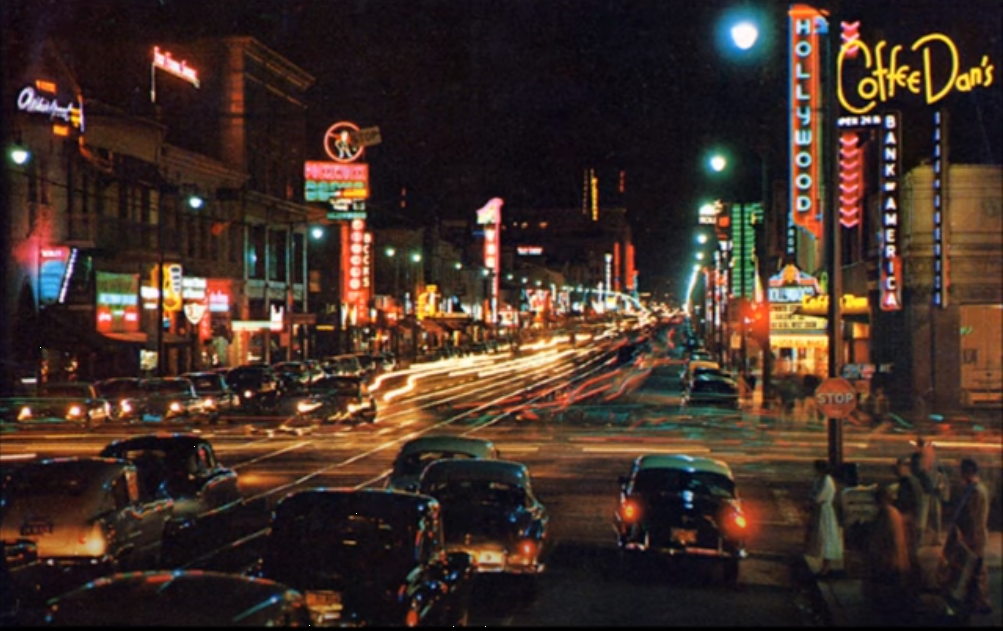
(257,386)
(181,598)
(712,390)
(75,402)
(179,466)
(171,399)
(125,395)
(335,399)
(367,558)
(490,511)
(347,365)
(681,505)
(418,453)
(86,517)
(217,396)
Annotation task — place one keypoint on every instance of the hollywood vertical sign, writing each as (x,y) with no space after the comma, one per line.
(356,253)
(805,115)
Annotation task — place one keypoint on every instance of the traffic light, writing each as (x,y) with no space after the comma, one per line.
(759,321)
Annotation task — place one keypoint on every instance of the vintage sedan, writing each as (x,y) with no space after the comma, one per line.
(217,396)
(418,453)
(489,510)
(712,391)
(258,386)
(75,402)
(335,399)
(188,598)
(171,399)
(180,466)
(125,395)
(676,505)
(86,517)
(367,558)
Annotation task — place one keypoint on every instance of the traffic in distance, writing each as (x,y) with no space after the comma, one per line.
(497,489)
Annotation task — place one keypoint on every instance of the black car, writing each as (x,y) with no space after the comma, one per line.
(217,396)
(677,505)
(367,558)
(258,386)
(712,390)
(125,396)
(335,399)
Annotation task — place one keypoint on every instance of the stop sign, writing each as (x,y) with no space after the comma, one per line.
(836,397)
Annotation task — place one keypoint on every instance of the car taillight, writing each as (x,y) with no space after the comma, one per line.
(630,511)
(411,620)
(740,521)
(527,549)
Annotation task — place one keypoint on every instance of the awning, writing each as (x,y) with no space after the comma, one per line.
(445,325)
(128,338)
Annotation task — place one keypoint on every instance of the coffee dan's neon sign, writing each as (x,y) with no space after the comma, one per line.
(888,75)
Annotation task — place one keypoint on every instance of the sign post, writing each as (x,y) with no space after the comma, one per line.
(836,398)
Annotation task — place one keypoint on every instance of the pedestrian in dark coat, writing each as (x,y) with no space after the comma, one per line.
(972,524)
(908,501)
(888,558)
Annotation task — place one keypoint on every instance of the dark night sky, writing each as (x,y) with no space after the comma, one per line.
(515,98)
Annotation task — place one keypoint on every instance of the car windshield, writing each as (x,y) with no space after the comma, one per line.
(205,383)
(120,389)
(64,390)
(477,493)
(415,463)
(719,386)
(659,483)
(167,387)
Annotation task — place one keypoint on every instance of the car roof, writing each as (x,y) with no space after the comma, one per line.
(184,598)
(355,501)
(160,440)
(457,444)
(514,473)
(702,363)
(683,461)
(101,467)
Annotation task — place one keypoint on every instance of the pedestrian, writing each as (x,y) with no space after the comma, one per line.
(882,407)
(824,538)
(908,499)
(888,558)
(936,484)
(971,525)
(810,406)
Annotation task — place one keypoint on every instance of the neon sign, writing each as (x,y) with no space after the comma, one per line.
(341,142)
(179,69)
(940,261)
(805,130)
(890,272)
(357,252)
(30,100)
(330,181)
(887,75)
(850,179)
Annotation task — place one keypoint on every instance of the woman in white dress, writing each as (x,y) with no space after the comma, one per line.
(824,538)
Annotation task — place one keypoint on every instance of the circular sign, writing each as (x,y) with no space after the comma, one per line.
(836,397)
(341,142)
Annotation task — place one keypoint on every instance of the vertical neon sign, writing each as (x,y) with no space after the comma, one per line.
(940,260)
(890,281)
(805,128)
(489,216)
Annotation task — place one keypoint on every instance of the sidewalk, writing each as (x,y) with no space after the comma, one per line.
(847,606)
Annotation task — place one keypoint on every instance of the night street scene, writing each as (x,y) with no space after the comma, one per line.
(524,313)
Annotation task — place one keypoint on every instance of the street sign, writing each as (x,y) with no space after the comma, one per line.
(836,397)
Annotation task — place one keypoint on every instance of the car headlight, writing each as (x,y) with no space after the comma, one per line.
(353,408)
(304,407)
(248,394)
(75,411)
(210,403)
(24,413)
(94,543)
(176,407)
(126,406)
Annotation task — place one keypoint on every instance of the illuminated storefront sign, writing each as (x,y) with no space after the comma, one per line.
(180,69)
(357,261)
(42,99)
(117,302)
(173,287)
(342,143)
(849,304)
(331,181)
(890,272)
(805,113)
(53,267)
(788,289)
(940,162)
(885,73)
(489,216)
(529,250)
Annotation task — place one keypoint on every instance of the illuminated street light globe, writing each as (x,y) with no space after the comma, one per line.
(701,238)
(744,34)
(718,162)
(317,232)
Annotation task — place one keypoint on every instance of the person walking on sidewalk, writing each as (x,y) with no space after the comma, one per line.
(824,540)
(971,523)
(908,500)
(888,558)
(933,477)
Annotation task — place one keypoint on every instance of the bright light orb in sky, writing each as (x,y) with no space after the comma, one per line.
(744,34)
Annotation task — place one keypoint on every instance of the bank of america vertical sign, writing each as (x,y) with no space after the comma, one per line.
(890,274)
(806,24)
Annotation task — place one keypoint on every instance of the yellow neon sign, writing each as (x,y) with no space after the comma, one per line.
(888,74)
